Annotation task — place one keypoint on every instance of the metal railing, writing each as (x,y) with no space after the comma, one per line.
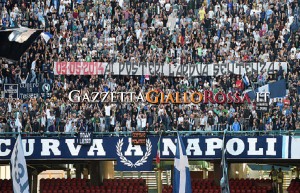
(153,133)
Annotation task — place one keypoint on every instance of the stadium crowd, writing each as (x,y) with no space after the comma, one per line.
(207,31)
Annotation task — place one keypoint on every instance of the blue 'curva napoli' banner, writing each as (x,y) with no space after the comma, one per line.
(137,157)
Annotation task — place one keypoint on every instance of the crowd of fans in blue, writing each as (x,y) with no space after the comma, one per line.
(206,31)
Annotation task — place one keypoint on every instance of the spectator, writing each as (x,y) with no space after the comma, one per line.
(210,122)
(280,181)
(236,125)
(273,174)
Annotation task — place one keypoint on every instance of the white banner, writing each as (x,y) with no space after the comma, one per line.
(163,69)
(295,143)
(19,168)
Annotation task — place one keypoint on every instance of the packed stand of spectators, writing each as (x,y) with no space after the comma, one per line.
(170,31)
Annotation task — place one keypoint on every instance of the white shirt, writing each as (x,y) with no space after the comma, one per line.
(216,120)
(160,112)
(180,119)
(206,84)
(168,6)
(298,55)
(293,49)
(128,124)
(51,119)
(202,121)
(9,107)
(162,2)
(69,126)
(62,9)
(138,33)
(256,36)
(211,14)
(43,121)
(67,2)
(33,64)
(254,114)
(107,110)
(241,26)
(253,11)
(48,114)
(144,121)
(139,122)
(112,120)
(102,122)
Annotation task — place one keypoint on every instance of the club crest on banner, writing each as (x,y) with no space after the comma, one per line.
(46,87)
(129,163)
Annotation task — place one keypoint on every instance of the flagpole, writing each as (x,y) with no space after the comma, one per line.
(224,182)
(159,181)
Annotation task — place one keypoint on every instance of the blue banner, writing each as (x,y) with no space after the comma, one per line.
(137,157)
(11,91)
(29,90)
(134,157)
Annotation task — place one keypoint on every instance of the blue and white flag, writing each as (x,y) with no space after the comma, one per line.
(21,35)
(276,89)
(264,88)
(224,183)
(182,178)
(19,168)
(246,80)
(46,36)
(251,93)
(16,41)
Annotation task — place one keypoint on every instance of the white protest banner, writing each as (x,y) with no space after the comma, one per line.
(163,69)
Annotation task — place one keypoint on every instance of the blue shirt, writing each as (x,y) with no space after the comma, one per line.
(262,15)
(269,13)
(280,105)
(230,6)
(105,88)
(231,110)
(142,80)
(236,126)
(4,21)
(288,112)
(269,120)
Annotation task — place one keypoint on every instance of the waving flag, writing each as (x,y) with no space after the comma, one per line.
(19,168)
(276,89)
(158,153)
(251,93)
(46,36)
(14,42)
(246,80)
(182,178)
(21,34)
